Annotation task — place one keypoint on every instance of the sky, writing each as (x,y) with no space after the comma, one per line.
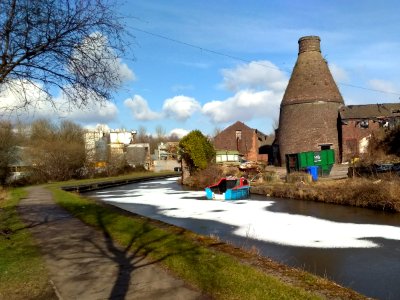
(207,64)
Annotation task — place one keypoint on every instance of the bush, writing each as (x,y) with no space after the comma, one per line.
(205,177)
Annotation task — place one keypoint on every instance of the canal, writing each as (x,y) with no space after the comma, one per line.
(358,248)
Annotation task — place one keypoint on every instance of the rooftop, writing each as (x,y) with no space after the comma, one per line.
(370,111)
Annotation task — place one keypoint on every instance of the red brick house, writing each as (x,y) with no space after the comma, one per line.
(358,122)
(252,144)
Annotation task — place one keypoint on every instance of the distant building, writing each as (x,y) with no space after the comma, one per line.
(138,155)
(121,137)
(104,146)
(21,166)
(166,151)
(166,157)
(359,122)
(95,145)
(251,144)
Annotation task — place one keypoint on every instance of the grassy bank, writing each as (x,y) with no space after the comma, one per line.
(22,271)
(136,175)
(381,194)
(220,270)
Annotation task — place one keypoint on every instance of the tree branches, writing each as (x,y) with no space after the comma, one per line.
(72,45)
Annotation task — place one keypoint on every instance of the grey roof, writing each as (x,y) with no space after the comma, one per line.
(370,111)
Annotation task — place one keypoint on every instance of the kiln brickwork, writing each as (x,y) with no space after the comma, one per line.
(309,109)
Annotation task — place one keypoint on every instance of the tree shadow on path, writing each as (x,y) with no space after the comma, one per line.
(143,249)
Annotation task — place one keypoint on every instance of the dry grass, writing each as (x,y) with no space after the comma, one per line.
(3,194)
(379,194)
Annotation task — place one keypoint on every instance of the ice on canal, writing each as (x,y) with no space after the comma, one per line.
(252,218)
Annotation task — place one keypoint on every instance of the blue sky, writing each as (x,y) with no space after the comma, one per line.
(206,64)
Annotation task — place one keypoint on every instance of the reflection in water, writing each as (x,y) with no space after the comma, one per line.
(372,271)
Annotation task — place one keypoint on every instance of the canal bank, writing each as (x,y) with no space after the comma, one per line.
(288,275)
(379,194)
(334,241)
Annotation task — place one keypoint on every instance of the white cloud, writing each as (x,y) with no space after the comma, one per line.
(40,105)
(244,105)
(255,75)
(23,100)
(259,88)
(181,107)
(21,95)
(179,132)
(140,109)
(339,74)
(383,85)
(93,55)
(126,74)
(94,112)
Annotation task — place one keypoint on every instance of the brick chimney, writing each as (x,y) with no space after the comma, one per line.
(309,108)
(309,43)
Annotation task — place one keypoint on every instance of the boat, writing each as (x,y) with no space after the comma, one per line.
(229,188)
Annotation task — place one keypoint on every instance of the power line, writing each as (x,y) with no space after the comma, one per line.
(204,49)
(245,60)
(368,89)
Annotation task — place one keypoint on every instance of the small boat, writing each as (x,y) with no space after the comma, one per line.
(229,188)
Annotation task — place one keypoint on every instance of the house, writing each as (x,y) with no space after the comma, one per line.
(251,144)
(166,157)
(166,151)
(359,122)
(138,155)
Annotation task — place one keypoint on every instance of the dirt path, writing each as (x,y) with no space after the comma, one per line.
(85,264)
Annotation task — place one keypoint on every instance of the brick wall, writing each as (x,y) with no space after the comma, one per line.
(247,145)
(352,134)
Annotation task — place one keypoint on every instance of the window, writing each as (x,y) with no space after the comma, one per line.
(364,124)
(238,134)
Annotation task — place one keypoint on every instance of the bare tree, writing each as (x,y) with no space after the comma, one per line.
(7,145)
(142,136)
(72,45)
(160,133)
(57,152)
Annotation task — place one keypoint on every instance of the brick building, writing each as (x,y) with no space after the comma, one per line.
(251,144)
(309,109)
(359,122)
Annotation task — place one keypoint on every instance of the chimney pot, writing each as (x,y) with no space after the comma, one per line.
(309,43)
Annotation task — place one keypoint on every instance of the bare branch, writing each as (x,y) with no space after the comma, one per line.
(72,45)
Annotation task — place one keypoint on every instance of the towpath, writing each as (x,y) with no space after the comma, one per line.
(84,263)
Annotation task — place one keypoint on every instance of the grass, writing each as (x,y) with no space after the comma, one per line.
(143,174)
(22,271)
(218,274)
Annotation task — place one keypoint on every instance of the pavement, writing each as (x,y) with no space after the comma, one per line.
(84,263)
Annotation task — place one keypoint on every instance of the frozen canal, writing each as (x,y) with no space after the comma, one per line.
(358,248)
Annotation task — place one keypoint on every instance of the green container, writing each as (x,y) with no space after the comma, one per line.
(302,160)
(327,161)
(331,156)
(324,159)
